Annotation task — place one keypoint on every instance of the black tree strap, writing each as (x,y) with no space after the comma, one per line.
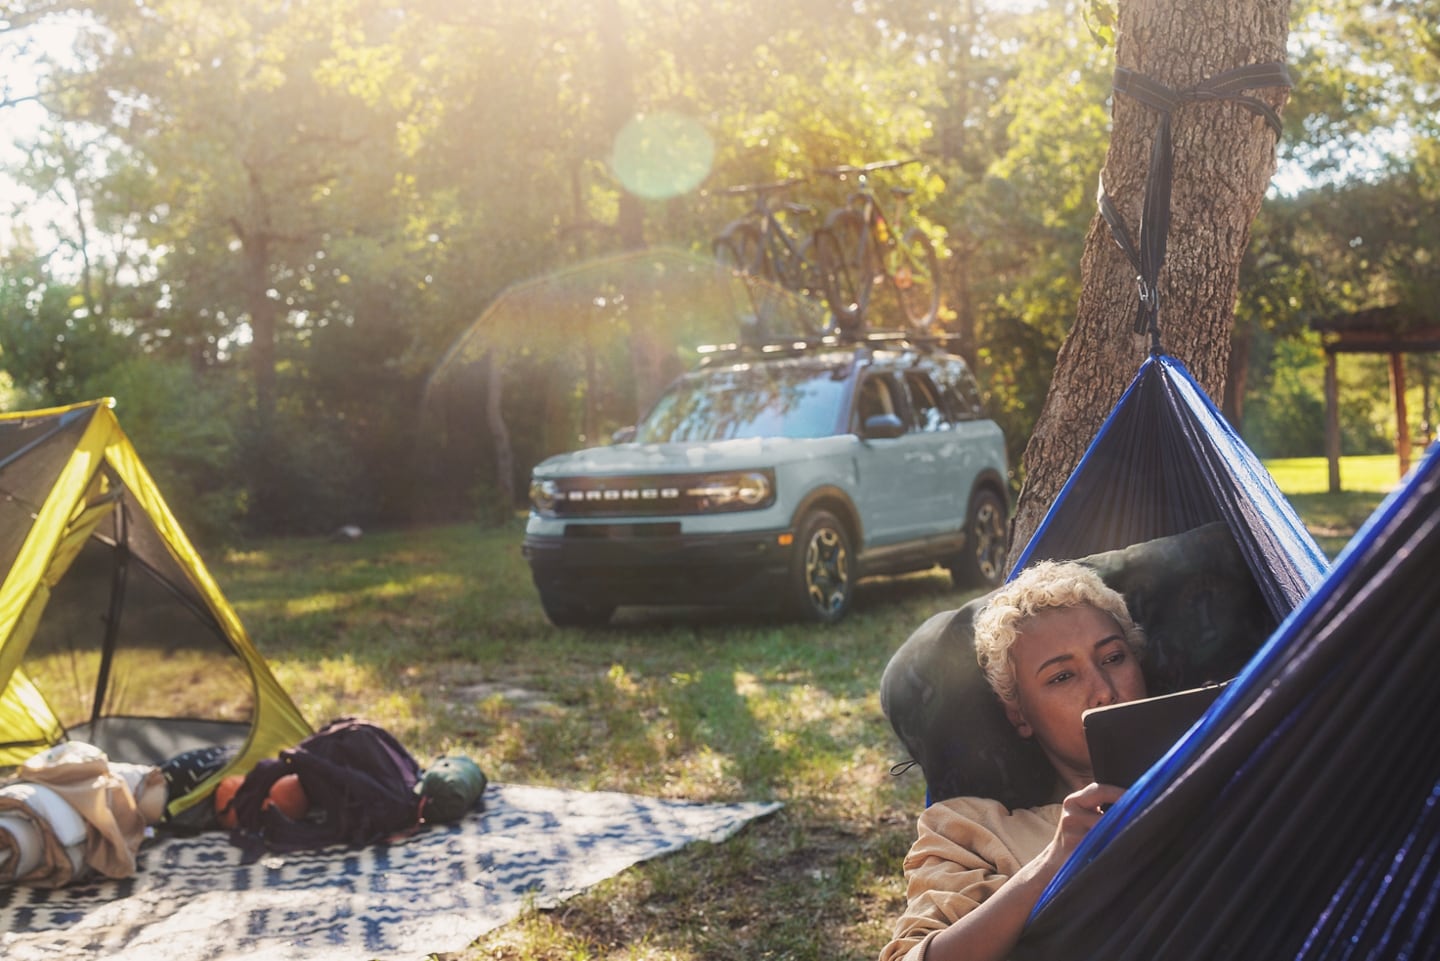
(1149,254)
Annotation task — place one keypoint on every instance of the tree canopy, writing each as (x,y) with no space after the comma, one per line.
(293,211)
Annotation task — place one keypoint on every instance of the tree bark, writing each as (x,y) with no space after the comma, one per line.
(1237,378)
(1224,157)
(255,248)
(499,433)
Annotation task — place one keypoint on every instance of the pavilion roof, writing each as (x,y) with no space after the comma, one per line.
(1380,330)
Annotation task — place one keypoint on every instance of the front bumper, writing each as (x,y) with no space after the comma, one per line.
(650,564)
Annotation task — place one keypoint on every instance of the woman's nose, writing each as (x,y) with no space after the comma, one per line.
(1103,692)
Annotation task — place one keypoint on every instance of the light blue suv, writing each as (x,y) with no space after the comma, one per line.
(776,479)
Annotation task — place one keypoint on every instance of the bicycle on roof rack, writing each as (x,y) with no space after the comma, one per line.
(861,247)
(764,246)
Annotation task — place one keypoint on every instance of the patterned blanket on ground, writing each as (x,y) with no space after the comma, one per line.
(435,891)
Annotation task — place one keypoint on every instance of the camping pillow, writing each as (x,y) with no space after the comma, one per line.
(1193,594)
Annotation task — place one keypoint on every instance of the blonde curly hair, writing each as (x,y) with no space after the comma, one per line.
(1043,586)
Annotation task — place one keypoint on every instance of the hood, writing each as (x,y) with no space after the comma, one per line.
(700,456)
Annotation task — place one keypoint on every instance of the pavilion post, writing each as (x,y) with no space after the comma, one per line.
(1402,416)
(1332,421)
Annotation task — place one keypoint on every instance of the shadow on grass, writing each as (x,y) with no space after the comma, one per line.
(871,594)
(1333,518)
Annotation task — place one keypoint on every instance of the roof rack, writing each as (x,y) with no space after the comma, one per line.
(795,346)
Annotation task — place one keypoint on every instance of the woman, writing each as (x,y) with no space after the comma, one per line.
(1053,643)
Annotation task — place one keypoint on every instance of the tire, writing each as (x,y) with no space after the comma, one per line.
(568,612)
(738,247)
(848,280)
(822,578)
(915,272)
(987,543)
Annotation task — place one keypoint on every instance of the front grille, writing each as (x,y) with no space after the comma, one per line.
(643,495)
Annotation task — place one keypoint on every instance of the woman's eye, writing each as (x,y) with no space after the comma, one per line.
(1115,658)
(1060,678)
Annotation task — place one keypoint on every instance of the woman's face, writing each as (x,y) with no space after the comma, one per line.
(1068,660)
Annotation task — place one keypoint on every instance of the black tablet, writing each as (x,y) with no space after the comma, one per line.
(1127,739)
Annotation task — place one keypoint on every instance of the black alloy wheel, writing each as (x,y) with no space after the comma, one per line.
(987,543)
(822,578)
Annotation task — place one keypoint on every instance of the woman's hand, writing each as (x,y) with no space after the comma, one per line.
(1079,813)
(990,931)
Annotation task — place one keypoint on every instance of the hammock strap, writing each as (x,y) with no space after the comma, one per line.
(1149,254)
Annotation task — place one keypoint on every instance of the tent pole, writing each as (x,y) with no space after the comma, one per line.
(112,617)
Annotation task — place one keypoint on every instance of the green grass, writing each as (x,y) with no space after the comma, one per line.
(1333,518)
(436,634)
(1374,473)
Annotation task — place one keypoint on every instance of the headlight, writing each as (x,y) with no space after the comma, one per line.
(739,491)
(543,494)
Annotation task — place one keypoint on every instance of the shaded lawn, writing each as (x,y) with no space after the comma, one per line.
(436,634)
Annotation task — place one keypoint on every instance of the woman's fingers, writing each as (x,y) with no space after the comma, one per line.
(1094,797)
(1082,810)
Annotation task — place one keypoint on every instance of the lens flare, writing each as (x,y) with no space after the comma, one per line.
(662,155)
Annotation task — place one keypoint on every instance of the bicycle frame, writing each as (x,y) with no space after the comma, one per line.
(866,246)
(773,258)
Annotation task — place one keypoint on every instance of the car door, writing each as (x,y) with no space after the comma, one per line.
(889,470)
(932,457)
(977,443)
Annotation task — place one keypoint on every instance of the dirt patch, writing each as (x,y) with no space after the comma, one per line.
(521,698)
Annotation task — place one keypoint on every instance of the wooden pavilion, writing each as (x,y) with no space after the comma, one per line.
(1395,330)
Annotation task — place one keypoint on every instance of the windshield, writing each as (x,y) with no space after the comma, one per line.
(771,400)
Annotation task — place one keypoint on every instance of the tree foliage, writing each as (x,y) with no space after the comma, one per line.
(299,208)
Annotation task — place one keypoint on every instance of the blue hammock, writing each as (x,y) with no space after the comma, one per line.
(1301,817)
(1166,461)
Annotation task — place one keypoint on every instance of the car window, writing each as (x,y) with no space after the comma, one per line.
(925,403)
(764,400)
(959,392)
(876,396)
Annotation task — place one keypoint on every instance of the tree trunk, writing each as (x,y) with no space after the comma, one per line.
(1224,157)
(499,434)
(1237,377)
(650,345)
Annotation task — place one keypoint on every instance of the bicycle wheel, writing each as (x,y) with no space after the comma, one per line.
(738,247)
(915,272)
(812,284)
(847,259)
(782,264)
(803,269)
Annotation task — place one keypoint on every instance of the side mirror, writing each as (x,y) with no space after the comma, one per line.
(883,425)
(623,436)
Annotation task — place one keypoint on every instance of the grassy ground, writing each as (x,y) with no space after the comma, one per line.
(1333,518)
(436,635)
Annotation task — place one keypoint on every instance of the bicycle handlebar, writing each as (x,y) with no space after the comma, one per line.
(763,188)
(845,170)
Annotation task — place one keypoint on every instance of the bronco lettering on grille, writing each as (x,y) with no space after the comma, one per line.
(629,494)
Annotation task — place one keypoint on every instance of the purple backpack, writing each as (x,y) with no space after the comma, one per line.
(360,783)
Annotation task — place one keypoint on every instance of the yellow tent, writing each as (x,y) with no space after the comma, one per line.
(112,631)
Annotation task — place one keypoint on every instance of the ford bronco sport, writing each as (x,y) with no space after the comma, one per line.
(777,478)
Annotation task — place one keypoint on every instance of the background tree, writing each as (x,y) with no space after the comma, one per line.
(362,180)
(1223,160)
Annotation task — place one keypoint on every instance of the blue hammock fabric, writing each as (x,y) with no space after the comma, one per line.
(1301,817)
(1166,461)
